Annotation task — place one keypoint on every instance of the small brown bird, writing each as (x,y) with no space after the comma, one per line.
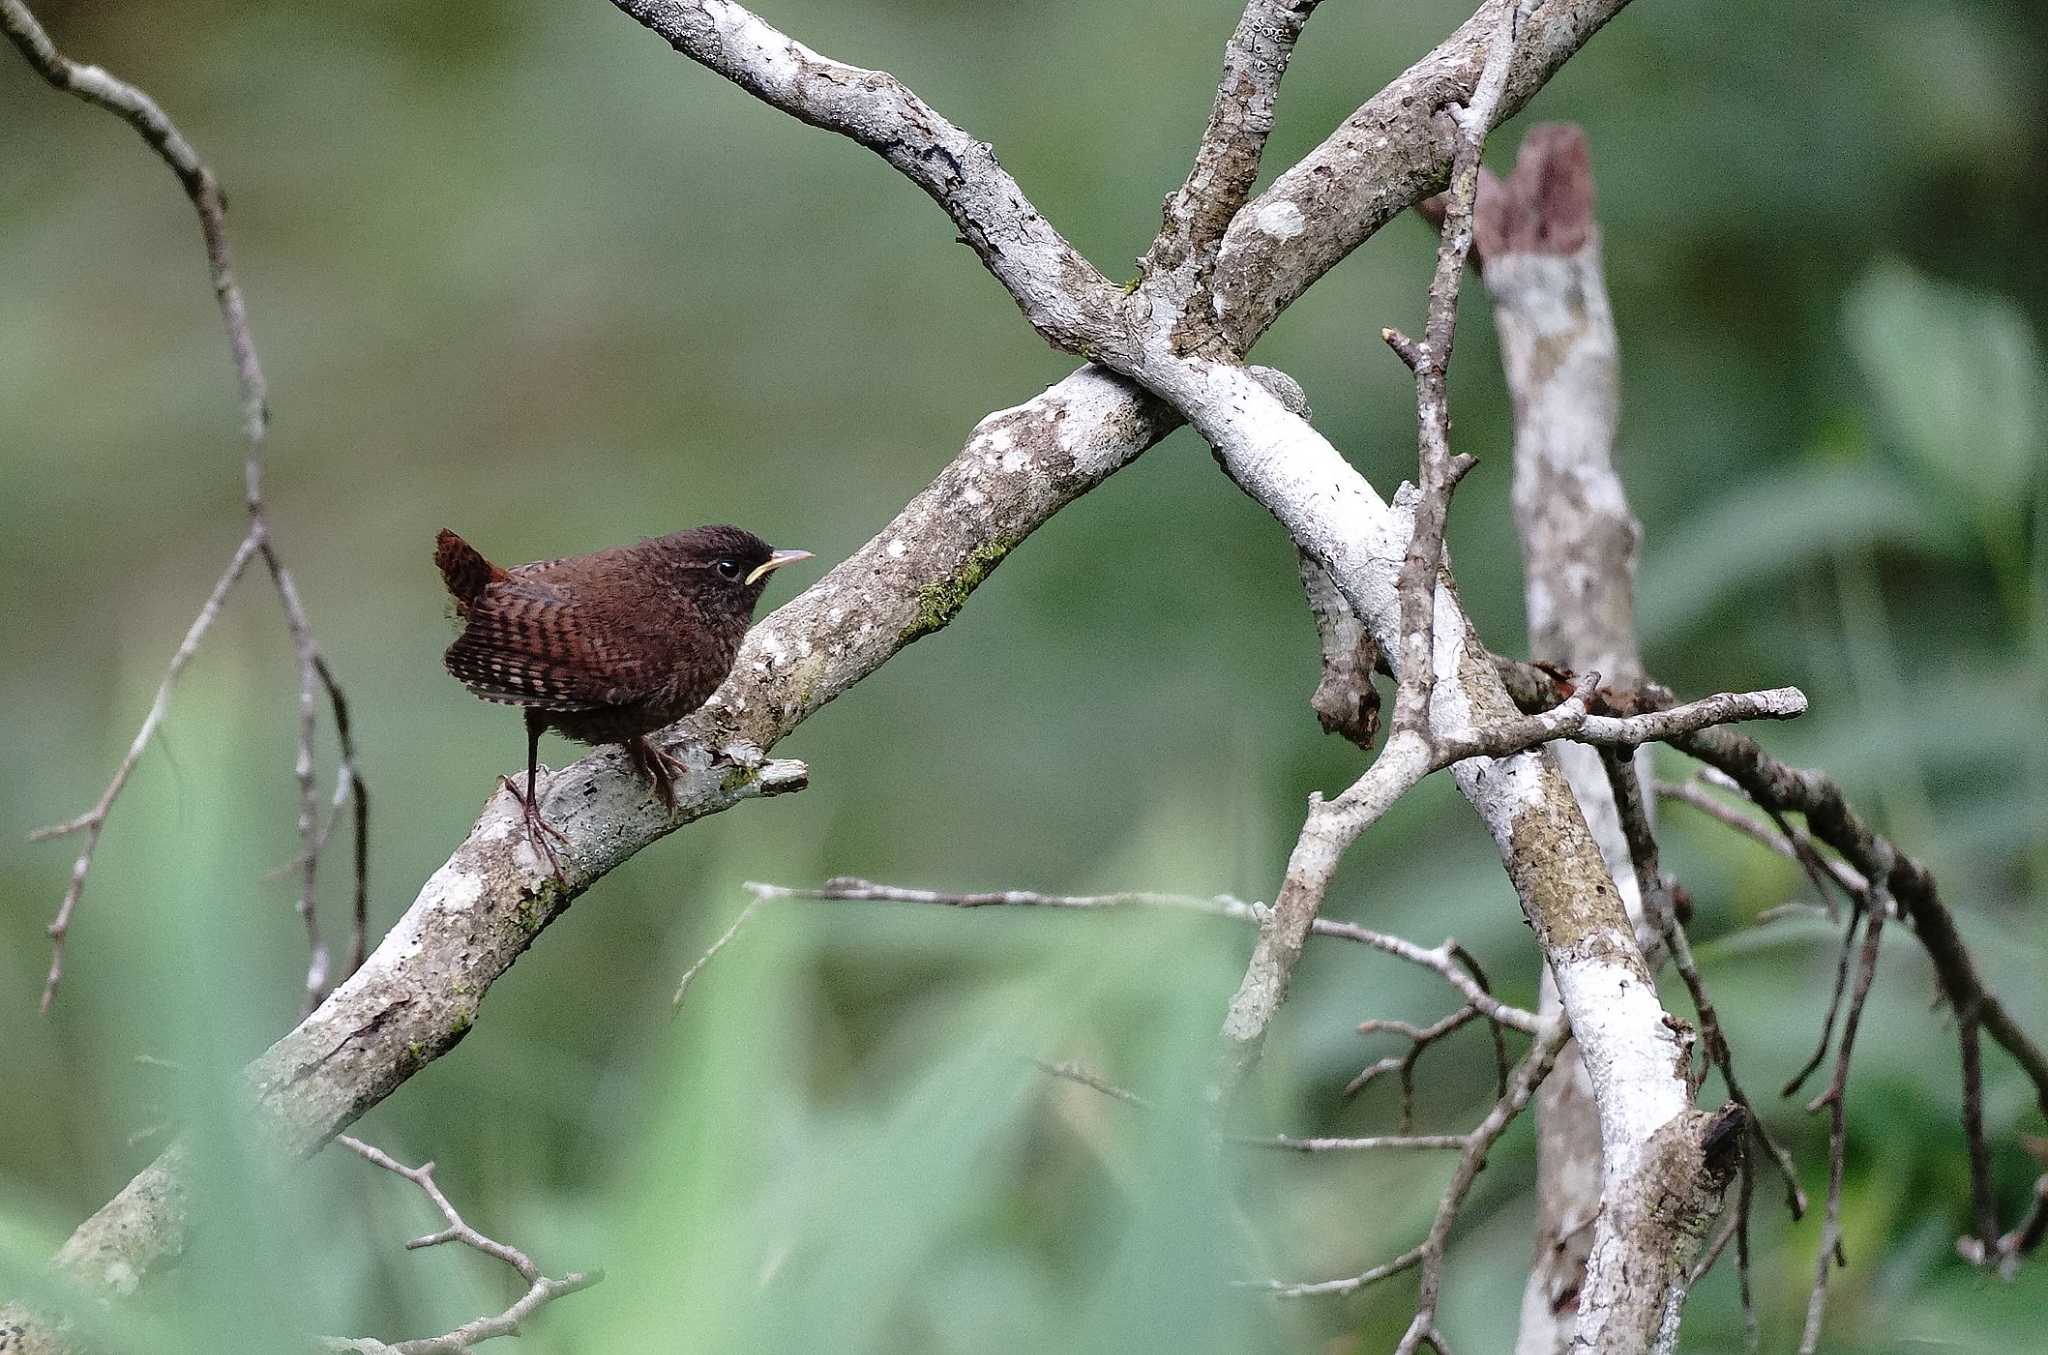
(606,647)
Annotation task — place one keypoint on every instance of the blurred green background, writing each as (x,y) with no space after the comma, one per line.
(520,270)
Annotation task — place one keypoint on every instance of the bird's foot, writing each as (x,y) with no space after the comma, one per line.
(539,830)
(660,767)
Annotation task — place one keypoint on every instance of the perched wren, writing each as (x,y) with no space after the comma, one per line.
(606,647)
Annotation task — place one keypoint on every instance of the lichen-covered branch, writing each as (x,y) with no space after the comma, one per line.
(1389,154)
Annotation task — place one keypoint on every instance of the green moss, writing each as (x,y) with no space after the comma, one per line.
(938,603)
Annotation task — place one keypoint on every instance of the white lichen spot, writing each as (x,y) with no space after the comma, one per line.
(1014,461)
(121,1279)
(897,548)
(834,616)
(1001,439)
(974,496)
(463,892)
(1281,220)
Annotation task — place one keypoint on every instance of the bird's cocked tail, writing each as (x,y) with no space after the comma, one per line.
(463,568)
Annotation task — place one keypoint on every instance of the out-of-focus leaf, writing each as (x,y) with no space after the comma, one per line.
(1959,376)
(1774,524)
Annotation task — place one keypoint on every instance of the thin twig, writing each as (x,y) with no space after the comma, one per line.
(1085,1076)
(1535,1066)
(1449,960)
(1657,906)
(141,112)
(683,984)
(540,1289)
(93,820)
(1834,1100)
(1795,846)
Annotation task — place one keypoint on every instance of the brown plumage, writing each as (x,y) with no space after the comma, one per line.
(606,647)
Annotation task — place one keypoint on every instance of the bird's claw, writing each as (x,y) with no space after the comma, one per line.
(539,830)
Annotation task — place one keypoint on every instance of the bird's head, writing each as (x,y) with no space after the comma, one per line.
(726,565)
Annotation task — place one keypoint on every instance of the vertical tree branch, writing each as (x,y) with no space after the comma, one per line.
(1539,250)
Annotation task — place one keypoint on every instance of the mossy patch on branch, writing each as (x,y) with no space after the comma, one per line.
(938,603)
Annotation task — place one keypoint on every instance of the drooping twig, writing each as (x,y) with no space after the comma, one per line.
(540,1289)
(1473,1149)
(1657,906)
(1834,1101)
(1795,846)
(1776,785)
(1419,1038)
(94,820)
(141,112)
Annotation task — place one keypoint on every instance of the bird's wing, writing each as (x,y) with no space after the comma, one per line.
(523,646)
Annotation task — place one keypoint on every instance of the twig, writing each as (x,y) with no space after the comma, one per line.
(1795,846)
(1657,906)
(1535,1066)
(683,984)
(1087,1077)
(540,1289)
(1450,960)
(1402,1142)
(141,112)
(1890,873)
(1419,1038)
(1833,1100)
(95,819)
(1827,1025)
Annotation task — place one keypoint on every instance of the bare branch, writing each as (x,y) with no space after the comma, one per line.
(1173,285)
(540,1289)
(141,112)
(93,820)
(1838,1131)
(1022,466)
(1345,700)
(1448,960)
(1798,846)
(1473,1147)
(1368,170)
(1657,906)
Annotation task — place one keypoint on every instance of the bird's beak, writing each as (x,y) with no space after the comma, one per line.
(775,562)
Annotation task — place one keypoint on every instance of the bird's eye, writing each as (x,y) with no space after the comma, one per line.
(729,568)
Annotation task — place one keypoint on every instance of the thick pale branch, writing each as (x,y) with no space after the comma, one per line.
(1386,156)
(1227,160)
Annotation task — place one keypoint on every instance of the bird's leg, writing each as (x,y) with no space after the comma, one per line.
(538,829)
(659,766)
